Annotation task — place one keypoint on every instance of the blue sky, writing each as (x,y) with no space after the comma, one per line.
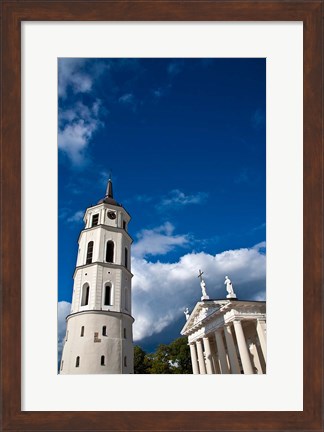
(185,140)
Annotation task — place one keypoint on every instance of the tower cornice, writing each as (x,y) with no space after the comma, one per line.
(108,206)
(100,312)
(108,228)
(103,264)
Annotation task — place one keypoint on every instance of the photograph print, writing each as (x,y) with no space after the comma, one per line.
(162,216)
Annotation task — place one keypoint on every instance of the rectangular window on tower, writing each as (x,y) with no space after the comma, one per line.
(89,253)
(95,220)
(126,257)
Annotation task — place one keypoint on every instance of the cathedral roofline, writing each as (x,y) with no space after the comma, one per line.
(224,305)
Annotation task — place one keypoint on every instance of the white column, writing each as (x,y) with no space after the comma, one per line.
(221,352)
(243,349)
(214,357)
(194,361)
(255,356)
(209,365)
(262,337)
(235,367)
(201,360)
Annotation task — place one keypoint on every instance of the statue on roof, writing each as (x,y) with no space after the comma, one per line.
(203,286)
(229,288)
(186,312)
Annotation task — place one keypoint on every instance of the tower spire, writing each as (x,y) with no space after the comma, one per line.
(109,190)
(109,196)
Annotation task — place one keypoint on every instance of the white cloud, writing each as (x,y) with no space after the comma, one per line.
(158,241)
(260,246)
(258,119)
(161,291)
(157,92)
(259,227)
(70,74)
(127,98)
(242,177)
(178,198)
(129,101)
(161,91)
(175,67)
(76,128)
(63,310)
(76,217)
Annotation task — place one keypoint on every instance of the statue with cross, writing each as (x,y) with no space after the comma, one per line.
(203,286)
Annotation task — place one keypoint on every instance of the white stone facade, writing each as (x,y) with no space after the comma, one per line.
(99,335)
(227,337)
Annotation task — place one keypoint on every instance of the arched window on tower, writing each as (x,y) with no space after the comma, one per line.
(108,298)
(126,257)
(89,252)
(85,295)
(102,362)
(110,252)
(77,362)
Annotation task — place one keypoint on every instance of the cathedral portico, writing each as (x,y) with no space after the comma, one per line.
(229,335)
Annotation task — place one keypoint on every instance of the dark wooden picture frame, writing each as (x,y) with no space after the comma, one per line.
(13,13)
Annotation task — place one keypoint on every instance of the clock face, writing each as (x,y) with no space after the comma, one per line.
(111,215)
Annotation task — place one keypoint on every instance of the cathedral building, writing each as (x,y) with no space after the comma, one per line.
(226,336)
(99,329)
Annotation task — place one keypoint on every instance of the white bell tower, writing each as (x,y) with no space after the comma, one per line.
(99,333)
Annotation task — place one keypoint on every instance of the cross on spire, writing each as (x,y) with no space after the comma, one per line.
(200,275)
